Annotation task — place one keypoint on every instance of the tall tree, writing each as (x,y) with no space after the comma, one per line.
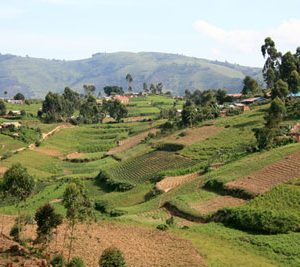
(78,206)
(2,108)
(113,90)
(89,89)
(19,96)
(19,184)
(271,67)
(294,82)
(159,88)
(129,80)
(115,109)
(145,88)
(189,113)
(250,86)
(280,89)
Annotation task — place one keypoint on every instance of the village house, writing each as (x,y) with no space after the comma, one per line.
(17,102)
(10,124)
(295,132)
(123,99)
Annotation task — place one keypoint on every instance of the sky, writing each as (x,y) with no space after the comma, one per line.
(224,30)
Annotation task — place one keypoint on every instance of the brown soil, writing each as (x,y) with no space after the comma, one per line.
(265,179)
(14,255)
(3,170)
(130,142)
(49,151)
(56,129)
(214,204)
(75,155)
(141,247)
(170,182)
(193,135)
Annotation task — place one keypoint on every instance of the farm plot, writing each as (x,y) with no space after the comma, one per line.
(265,179)
(144,167)
(216,203)
(141,247)
(193,135)
(170,182)
(130,142)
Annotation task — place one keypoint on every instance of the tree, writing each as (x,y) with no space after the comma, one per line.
(2,108)
(280,89)
(129,80)
(19,184)
(159,88)
(113,90)
(250,86)
(188,114)
(276,113)
(19,96)
(72,96)
(112,257)
(145,88)
(287,66)
(294,82)
(47,220)
(221,96)
(78,206)
(152,88)
(90,111)
(115,109)
(89,89)
(271,67)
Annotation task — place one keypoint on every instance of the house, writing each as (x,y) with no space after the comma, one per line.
(14,113)
(294,95)
(241,106)
(235,95)
(295,132)
(252,100)
(11,124)
(17,102)
(123,99)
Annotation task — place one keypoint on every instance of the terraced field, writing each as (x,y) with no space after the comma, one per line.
(130,142)
(216,203)
(265,179)
(170,182)
(142,168)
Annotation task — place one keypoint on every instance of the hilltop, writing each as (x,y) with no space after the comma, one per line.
(35,76)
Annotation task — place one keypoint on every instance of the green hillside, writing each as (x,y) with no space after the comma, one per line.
(35,77)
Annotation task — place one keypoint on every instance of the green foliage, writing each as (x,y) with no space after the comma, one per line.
(250,86)
(76,262)
(113,90)
(2,108)
(107,183)
(47,220)
(90,111)
(58,260)
(17,182)
(259,220)
(162,227)
(171,147)
(281,89)
(112,257)
(19,96)
(115,109)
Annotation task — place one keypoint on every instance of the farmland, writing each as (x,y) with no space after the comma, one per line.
(192,175)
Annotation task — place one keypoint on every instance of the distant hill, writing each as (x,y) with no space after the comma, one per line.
(35,77)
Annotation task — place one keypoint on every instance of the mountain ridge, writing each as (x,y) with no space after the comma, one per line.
(36,76)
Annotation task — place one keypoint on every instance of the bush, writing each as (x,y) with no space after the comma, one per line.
(104,180)
(14,232)
(58,260)
(162,227)
(171,147)
(260,221)
(154,192)
(170,222)
(76,262)
(112,257)
(102,206)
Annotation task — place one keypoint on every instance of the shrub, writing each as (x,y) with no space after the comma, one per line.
(154,192)
(171,147)
(102,206)
(261,221)
(162,227)
(15,233)
(112,257)
(58,261)
(170,222)
(76,262)
(104,180)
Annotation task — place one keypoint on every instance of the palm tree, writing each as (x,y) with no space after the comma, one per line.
(129,79)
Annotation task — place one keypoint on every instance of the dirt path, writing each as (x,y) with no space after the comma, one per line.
(265,179)
(141,247)
(130,142)
(216,203)
(170,182)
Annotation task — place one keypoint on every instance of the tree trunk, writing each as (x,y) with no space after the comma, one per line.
(71,241)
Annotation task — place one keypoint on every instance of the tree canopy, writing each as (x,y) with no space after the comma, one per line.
(113,90)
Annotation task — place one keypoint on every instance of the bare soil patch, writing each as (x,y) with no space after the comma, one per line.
(75,155)
(3,170)
(170,182)
(193,135)
(265,179)
(49,151)
(141,247)
(56,129)
(130,142)
(216,203)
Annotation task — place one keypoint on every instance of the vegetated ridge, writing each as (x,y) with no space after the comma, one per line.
(35,76)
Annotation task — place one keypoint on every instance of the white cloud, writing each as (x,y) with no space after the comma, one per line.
(10,12)
(286,36)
